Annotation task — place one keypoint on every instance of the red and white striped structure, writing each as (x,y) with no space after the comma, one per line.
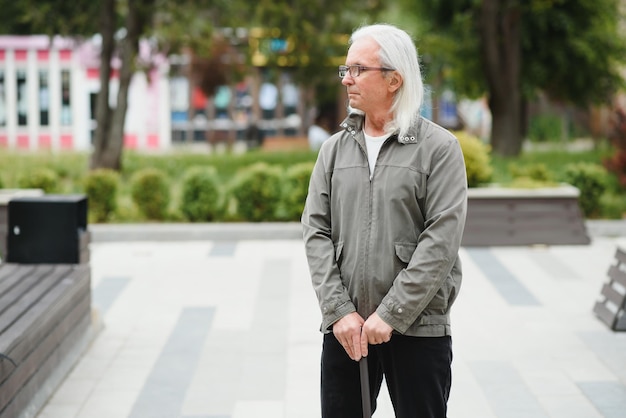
(47,95)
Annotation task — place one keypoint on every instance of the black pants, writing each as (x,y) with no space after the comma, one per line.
(417,371)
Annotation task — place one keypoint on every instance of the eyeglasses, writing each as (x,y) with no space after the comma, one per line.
(355,70)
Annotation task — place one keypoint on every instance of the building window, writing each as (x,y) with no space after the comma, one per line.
(22,98)
(66,109)
(3,103)
(44,98)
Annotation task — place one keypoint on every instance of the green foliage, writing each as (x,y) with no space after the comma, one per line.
(295,190)
(42,178)
(256,191)
(555,36)
(477,159)
(150,192)
(581,34)
(101,187)
(1,183)
(591,180)
(616,163)
(227,165)
(544,128)
(51,17)
(530,176)
(613,206)
(15,165)
(535,171)
(201,199)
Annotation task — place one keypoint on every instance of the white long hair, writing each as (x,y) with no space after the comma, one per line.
(398,51)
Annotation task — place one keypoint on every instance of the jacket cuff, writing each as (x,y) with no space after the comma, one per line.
(334,311)
(396,316)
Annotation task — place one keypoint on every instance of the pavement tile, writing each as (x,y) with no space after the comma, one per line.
(526,342)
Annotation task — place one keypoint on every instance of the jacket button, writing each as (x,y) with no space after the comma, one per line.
(400,310)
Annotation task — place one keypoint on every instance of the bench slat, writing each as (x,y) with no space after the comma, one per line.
(20,378)
(604,314)
(617,275)
(27,293)
(31,327)
(36,325)
(38,315)
(613,295)
(8,273)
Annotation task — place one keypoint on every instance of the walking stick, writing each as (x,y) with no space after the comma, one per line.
(365,388)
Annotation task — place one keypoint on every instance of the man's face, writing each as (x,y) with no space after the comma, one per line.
(369,91)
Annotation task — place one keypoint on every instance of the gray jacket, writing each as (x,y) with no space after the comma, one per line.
(389,244)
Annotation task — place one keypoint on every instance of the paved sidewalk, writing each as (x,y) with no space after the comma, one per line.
(218,328)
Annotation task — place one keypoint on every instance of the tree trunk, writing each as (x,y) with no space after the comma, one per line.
(109,153)
(103,110)
(499,27)
(129,48)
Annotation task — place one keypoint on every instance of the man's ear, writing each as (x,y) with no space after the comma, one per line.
(395,81)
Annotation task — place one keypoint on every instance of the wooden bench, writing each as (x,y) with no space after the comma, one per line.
(45,324)
(45,310)
(611,306)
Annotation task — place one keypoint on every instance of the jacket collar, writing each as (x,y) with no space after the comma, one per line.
(353,124)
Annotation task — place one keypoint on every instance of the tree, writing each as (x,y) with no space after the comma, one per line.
(120,24)
(109,136)
(313,30)
(511,49)
(78,19)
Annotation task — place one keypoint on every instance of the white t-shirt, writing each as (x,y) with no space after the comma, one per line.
(374,143)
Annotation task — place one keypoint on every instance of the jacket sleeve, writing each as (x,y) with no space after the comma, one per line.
(333,297)
(437,248)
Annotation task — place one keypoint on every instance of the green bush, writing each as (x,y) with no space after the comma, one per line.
(101,188)
(591,180)
(613,206)
(477,159)
(1,183)
(536,172)
(42,178)
(295,190)
(256,192)
(201,194)
(544,128)
(150,192)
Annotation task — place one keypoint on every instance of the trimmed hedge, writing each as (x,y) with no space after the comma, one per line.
(296,189)
(256,192)
(42,178)
(101,188)
(591,180)
(151,193)
(201,199)
(477,159)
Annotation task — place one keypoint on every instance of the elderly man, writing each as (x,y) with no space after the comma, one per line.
(382,226)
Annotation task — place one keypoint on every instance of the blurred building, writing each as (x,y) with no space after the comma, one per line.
(48,89)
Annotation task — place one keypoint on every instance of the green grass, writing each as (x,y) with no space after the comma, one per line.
(555,161)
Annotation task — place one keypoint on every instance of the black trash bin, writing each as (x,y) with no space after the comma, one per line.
(48,229)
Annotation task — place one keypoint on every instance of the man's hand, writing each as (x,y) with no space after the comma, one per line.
(348,332)
(375,331)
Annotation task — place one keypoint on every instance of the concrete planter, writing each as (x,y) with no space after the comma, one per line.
(503,216)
